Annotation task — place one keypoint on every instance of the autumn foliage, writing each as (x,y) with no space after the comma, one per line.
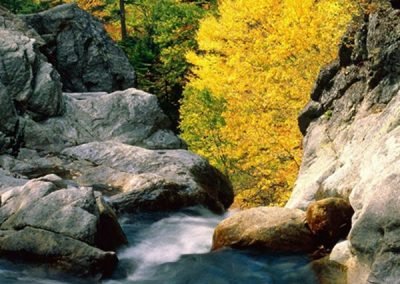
(253,73)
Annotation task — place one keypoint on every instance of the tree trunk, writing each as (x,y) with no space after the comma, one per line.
(122,19)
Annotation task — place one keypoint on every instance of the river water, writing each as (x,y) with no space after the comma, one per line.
(174,248)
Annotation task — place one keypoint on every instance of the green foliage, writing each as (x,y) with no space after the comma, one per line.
(159,34)
(24,6)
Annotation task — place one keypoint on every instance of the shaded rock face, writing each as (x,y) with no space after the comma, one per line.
(352,143)
(81,51)
(50,221)
(29,85)
(329,220)
(28,82)
(272,229)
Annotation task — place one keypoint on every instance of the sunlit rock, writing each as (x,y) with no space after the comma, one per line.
(271,229)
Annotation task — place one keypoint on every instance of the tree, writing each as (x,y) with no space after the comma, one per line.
(160,33)
(259,60)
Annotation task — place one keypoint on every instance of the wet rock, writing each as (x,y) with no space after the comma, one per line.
(329,272)
(329,220)
(152,180)
(82,52)
(109,233)
(59,251)
(49,221)
(272,229)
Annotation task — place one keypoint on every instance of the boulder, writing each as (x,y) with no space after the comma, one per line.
(152,180)
(272,229)
(131,116)
(352,143)
(31,84)
(329,220)
(81,51)
(109,233)
(49,221)
(11,22)
(329,272)
(59,251)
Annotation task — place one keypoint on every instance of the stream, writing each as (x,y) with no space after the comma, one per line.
(174,248)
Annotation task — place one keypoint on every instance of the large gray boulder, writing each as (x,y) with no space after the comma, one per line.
(71,219)
(81,51)
(271,229)
(30,83)
(151,180)
(131,116)
(352,144)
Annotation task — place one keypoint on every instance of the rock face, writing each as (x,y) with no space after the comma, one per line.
(152,180)
(28,82)
(48,221)
(131,116)
(81,51)
(352,144)
(272,229)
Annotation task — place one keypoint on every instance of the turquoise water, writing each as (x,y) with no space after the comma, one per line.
(175,248)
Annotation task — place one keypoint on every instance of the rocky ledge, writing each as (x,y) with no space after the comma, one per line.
(71,160)
(352,145)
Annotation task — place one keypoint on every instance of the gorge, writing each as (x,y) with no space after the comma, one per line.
(95,185)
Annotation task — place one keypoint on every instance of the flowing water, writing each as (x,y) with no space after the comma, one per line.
(175,248)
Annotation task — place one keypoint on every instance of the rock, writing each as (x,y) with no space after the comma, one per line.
(329,272)
(329,220)
(9,180)
(131,116)
(109,233)
(8,113)
(59,251)
(354,152)
(30,82)
(82,52)
(309,113)
(272,229)
(152,180)
(11,22)
(48,220)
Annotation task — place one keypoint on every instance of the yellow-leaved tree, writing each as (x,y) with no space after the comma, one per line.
(253,73)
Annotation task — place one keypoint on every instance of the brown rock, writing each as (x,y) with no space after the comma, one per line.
(329,220)
(272,229)
(329,272)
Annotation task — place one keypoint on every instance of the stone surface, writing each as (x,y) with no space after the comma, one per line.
(152,180)
(12,22)
(109,233)
(329,220)
(49,221)
(329,272)
(352,150)
(130,116)
(30,83)
(59,251)
(272,229)
(82,52)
